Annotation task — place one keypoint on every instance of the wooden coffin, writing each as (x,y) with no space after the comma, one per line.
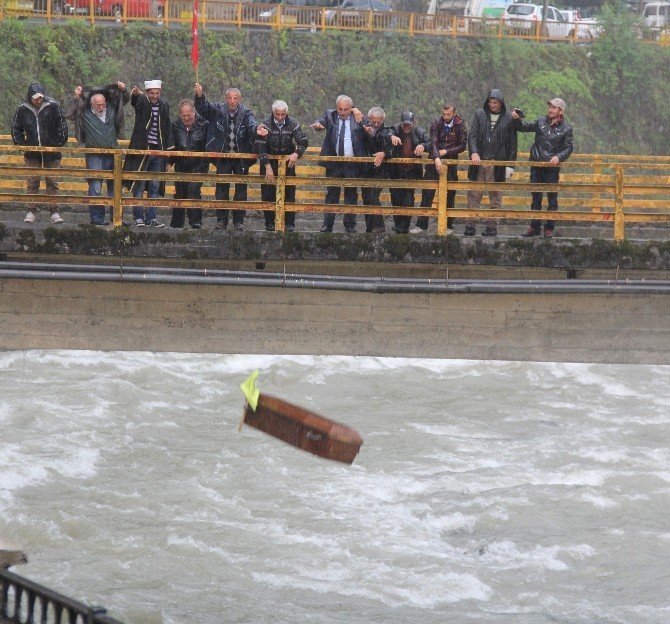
(304,429)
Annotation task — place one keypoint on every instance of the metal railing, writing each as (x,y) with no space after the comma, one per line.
(609,190)
(23,601)
(217,14)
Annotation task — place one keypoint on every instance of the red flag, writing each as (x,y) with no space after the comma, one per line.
(195,53)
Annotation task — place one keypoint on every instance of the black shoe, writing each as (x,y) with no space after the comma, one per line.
(531,232)
(269,228)
(99,222)
(290,228)
(221,225)
(469,230)
(238,226)
(325,228)
(350,230)
(490,231)
(196,226)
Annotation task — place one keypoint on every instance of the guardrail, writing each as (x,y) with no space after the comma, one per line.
(616,190)
(23,601)
(217,14)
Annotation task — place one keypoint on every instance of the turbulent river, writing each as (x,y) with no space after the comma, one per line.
(484,492)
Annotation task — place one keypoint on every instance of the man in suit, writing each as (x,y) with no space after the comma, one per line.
(345,136)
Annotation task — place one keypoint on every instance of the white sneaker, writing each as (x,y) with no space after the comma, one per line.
(139,223)
(30,217)
(449,232)
(56,218)
(417,230)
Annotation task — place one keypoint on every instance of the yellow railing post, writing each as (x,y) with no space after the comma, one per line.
(49,11)
(280,215)
(239,15)
(619,219)
(166,13)
(278,16)
(117,208)
(91,11)
(442,203)
(411,24)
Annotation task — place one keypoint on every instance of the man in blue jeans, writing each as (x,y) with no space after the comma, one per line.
(152,131)
(98,118)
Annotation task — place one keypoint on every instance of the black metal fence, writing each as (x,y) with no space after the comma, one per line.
(23,601)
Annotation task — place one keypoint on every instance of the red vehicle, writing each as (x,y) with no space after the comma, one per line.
(111,8)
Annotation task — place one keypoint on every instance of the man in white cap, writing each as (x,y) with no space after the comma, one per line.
(152,131)
(40,121)
(553,144)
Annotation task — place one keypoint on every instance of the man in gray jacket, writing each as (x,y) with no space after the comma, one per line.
(553,144)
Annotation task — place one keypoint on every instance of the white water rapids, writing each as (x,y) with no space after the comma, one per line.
(485,492)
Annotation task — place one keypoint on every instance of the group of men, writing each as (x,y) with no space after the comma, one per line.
(230,129)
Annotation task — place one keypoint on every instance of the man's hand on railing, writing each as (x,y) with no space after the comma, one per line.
(292,160)
(198,89)
(475,158)
(379,158)
(438,165)
(269,174)
(419,149)
(554,161)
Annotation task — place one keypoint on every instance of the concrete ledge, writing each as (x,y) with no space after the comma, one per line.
(588,325)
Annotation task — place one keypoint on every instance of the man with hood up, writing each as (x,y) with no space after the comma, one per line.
(492,137)
(97,114)
(40,121)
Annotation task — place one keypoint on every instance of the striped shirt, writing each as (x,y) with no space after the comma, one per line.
(152,130)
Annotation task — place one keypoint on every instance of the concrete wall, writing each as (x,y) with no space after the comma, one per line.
(45,314)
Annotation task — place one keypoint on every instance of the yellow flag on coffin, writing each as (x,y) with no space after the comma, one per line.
(250,390)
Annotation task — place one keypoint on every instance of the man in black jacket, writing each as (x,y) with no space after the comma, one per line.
(284,137)
(97,113)
(344,137)
(378,144)
(553,144)
(189,133)
(152,131)
(232,129)
(40,121)
(492,137)
(409,141)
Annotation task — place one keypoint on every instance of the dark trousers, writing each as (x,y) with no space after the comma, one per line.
(269,193)
(350,197)
(371,198)
(402,197)
(186,190)
(428,195)
(236,166)
(544,175)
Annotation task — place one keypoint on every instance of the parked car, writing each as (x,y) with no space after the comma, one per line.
(523,18)
(355,13)
(111,8)
(657,14)
(292,12)
(584,28)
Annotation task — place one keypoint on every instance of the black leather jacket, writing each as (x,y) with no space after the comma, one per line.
(192,140)
(46,126)
(550,140)
(285,140)
(380,142)
(419,137)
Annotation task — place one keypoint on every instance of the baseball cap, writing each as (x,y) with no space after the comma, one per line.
(558,103)
(407,117)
